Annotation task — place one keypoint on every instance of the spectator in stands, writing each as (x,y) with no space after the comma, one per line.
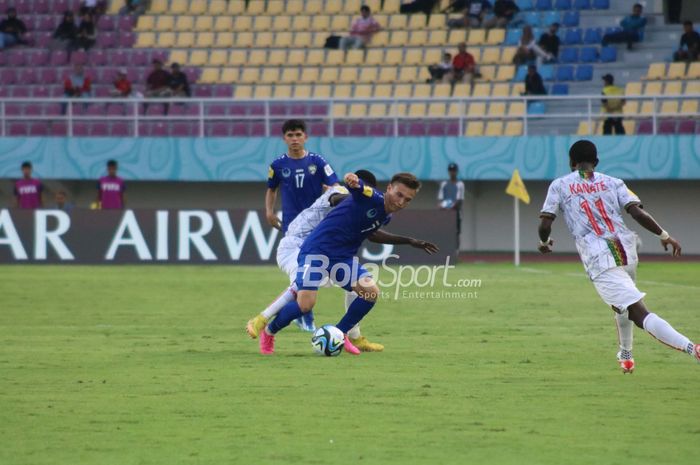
(65,34)
(451,196)
(612,106)
(441,70)
(61,202)
(463,65)
(632,26)
(533,82)
(549,41)
(504,12)
(122,85)
(28,191)
(111,188)
(134,7)
(158,82)
(418,6)
(529,51)
(474,14)
(362,30)
(77,85)
(690,44)
(86,35)
(179,85)
(94,7)
(12,30)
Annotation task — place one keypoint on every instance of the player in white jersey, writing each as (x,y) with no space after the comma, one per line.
(592,204)
(288,251)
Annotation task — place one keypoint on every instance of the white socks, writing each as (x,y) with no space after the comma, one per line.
(283,299)
(665,333)
(354,332)
(625,328)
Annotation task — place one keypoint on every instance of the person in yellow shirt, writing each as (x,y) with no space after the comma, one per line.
(612,106)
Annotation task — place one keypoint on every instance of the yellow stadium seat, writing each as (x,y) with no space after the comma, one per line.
(676,70)
(315,58)
(456,36)
(354,57)
(442,90)
(146,39)
(474,129)
(209,76)
(309,75)
(277,57)
(491,56)
(374,57)
(197,8)
(408,74)
(302,91)
(417,38)
(296,57)
(673,88)
(505,73)
(204,23)
(262,91)
(314,7)
(333,8)
(629,126)
(243,92)
(432,56)
(347,74)
(242,24)
(417,110)
(179,7)
(656,71)
(462,89)
(507,54)
(223,24)
(631,107)
(322,23)
(422,90)
(497,109)
(476,37)
(264,39)
(295,7)
(496,37)
(693,71)
(322,91)
(584,129)
(318,39)
(494,128)
(488,72)
(282,91)
(438,38)
(416,22)
(289,75)
(669,107)
(301,23)
(342,91)
(500,90)
(363,91)
(197,58)
(340,110)
(302,39)
(436,22)
(513,128)
(165,23)
(282,23)
(368,74)
(414,56)
(692,87)
(262,24)
(178,56)
(166,39)
(329,75)
(283,39)
(437,110)
(275,7)
(516,109)
(397,22)
(218,58)
(387,74)
(633,88)
(250,75)
(647,108)
(652,88)
(398,38)
(185,39)
(243,39)
(145,23)
(398,109)
(455,109)
(205,40)
(393,57)
(240,57)
(382,91)
(158,7)
(689,107)
(402,91)
(229,75)
(391,6)
(334,58)
(217,7)
(255,8)
(476,109)
(352,7)
(476,53)
(340,24)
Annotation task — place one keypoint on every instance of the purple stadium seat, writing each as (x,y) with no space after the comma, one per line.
(216,109)
(667,126)
(59,58)
(4,91)
(21,92)
(318,128)
(645,127)
(452,128)
(120,129)
(47,23)
(58,128)
(116,109)
(202,90)
(101,91)
(221,91)
(59,6)
(219,129)
(95,109)
(42,7)
(155,109)
(98,58)
(126,22)
(39,58)
(192,74)
(107,40)
(81,128)
(24,7)
(18,129)
(184,129)
(33,109)
(257,129)
(436,128)
(127,39)
(8,76)
(106,23)
(357,129)
(318,109)
(79,57)
(49,76)
(162,55)
(140,58)
(118,58)
(16,58)
(686,126)
(99,129)
(52,109)
(380,128)
(39,129)
(341,128)
(42,39)
(14,109)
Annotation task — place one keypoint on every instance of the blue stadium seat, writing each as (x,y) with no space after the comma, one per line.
(612,29)
(550,17)
(536,108)
(589,55)
(608,54)
(520,73)
(573,37)
(547,72)
(525,5)
(584,73)
(582,4)
(601,4)
(538,31)
(565,73)
(571,18)
(513,36)
(568,55)
(560,89)
(562,4)
(532,18)
(544,5)
(593,35)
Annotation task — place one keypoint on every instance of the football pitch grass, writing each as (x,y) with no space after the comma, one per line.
(151,365)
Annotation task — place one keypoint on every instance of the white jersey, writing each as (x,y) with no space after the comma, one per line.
(592,205)
(308,219)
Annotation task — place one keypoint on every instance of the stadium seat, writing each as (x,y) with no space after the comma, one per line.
(520,73)
(656,71)
(494,128)
(550,18)
(496,37)
(491,56)
(676,70)
(562,4)
(573,37)
(476,110)
(505,73)
(669,107)
(584,73)
(474,129)
(686,127)
(673,88)
(608,54)
(689,107)
(547,72)
(565,73)
(536,108)
(569,55)
(571,19)
(589,54)
(692,87)
(560,89)
(652,88)
(476,37)
(532,18)
(693,71)
(593,35)
(601,4)
(513,36)
(582,4)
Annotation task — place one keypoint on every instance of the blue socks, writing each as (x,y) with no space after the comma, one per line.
(289,313)
(356,312)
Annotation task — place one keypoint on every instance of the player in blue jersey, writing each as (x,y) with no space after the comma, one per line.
(300,175)
(330,250)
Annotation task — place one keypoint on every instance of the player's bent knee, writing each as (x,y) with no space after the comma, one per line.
(306,300)
(368,293)
(637,313)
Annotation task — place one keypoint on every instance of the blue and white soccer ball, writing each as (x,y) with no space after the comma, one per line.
(328,340)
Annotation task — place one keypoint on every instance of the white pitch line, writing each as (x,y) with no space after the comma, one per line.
(644,281)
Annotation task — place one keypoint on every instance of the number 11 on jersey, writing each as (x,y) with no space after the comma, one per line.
(594,223)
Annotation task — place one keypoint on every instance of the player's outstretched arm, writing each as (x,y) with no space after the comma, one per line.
(335,199)
(382,237)
(270,199)
(352,181)
(650,224)
(543,231)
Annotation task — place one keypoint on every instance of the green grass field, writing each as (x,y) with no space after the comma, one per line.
(151,365)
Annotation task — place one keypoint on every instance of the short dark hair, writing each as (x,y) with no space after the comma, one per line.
(367,177)
(111,163)
(292,125)
(26,164)
(407,179)
(583,151)
(638,5)
(365,8)
(688,23)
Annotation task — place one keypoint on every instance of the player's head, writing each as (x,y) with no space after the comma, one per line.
(27,169)
(583,151)
(687,26)
(294,133)
(452,170)
(367,177)
(112,167)
(400,191)
(61,197)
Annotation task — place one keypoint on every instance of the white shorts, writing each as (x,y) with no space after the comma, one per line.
(287,253)
(617,288)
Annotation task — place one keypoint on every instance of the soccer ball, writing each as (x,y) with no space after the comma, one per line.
(447,203)
(328,340)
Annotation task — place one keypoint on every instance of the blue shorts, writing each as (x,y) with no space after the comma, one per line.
(313,272)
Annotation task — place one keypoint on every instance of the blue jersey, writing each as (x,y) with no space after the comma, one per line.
(340,234)
(302,180)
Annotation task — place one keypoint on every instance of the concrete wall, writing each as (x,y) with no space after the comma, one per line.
(488,211)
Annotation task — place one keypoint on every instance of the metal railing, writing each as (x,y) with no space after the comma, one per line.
(208,110)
